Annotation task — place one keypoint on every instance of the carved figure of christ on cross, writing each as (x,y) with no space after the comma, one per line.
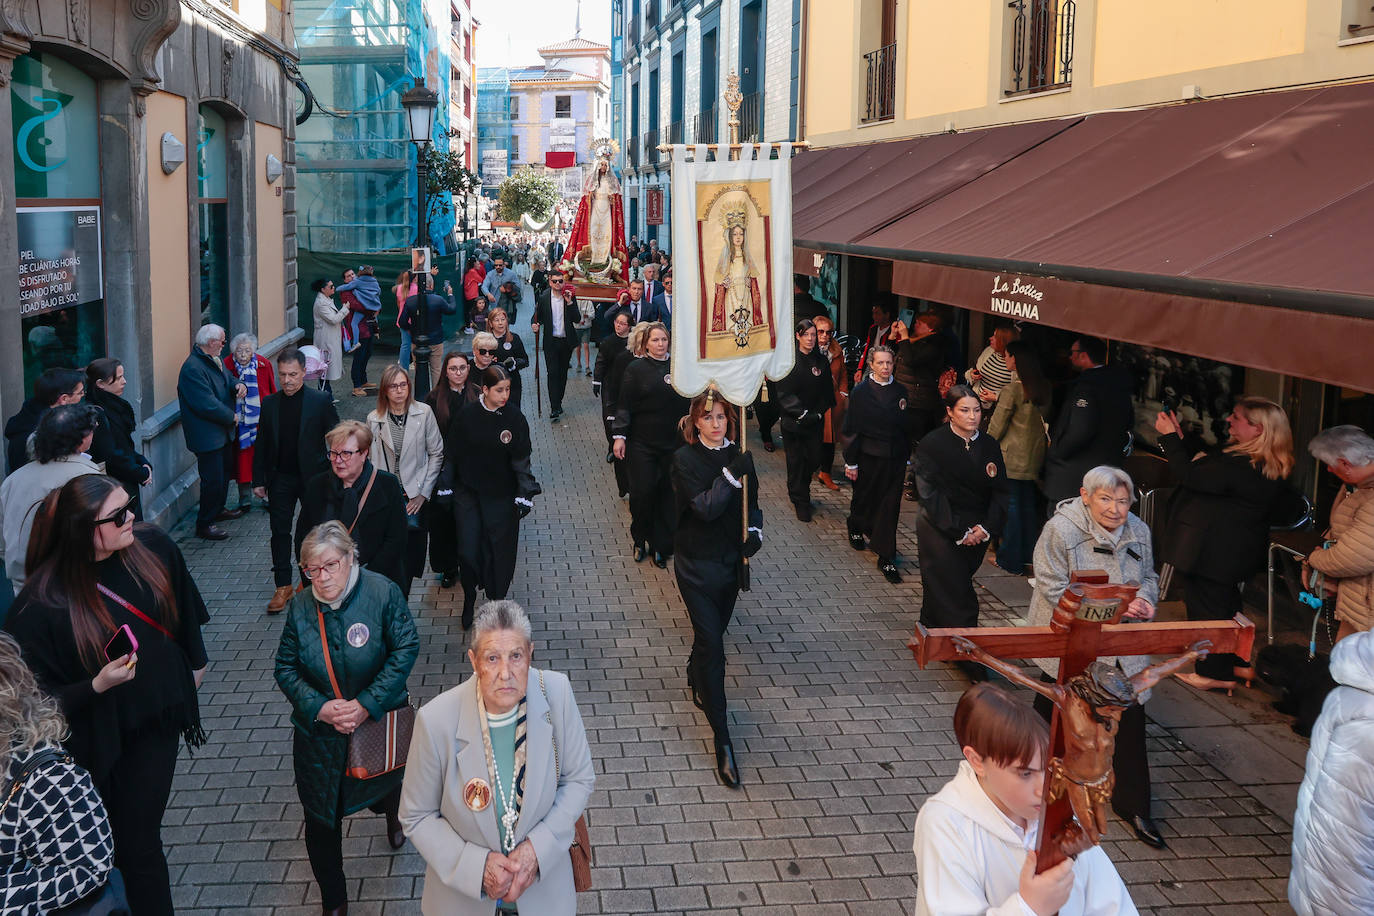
(1089,697)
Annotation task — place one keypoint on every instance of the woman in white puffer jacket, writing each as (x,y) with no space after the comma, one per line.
(1333,858)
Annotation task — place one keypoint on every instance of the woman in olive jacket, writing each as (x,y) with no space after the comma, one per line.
(372,648)
(1019,425)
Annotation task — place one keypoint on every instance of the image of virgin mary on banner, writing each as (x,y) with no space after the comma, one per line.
(732,232)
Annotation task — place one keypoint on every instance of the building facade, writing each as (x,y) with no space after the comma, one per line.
(493,127)
(149,188)
(1176,177)
(561,105)
(677,57)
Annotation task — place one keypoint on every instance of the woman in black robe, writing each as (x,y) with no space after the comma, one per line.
(510,351)
(494,488)
(648,410)
(964,495)
(708,475)
(804,395)
(876,444)
(606,376)
(449,395)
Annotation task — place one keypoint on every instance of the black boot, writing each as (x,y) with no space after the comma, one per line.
(727,771)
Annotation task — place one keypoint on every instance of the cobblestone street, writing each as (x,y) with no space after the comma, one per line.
(840,737)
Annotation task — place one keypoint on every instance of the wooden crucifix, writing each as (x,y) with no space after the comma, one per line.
(1089,698)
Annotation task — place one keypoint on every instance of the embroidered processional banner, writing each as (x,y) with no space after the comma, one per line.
(732,269)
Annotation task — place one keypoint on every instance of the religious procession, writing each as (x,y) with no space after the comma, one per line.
(829,458)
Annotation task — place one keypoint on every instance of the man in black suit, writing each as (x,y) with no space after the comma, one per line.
(661,307)
(555,251)
(637,307)
(289,451)
(1094,422)
(556,310)
(652,286)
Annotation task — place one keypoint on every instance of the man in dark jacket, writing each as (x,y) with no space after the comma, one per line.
(556,311)
(206,392)
(53,388)
(289,451)
(436,307)
(1094,422)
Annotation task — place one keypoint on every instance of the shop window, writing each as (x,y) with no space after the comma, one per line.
(212,200)
(58,214)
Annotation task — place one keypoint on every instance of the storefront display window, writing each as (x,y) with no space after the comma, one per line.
(57,186)
(212,197)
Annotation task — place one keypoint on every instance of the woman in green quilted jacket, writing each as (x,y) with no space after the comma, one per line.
(372,647)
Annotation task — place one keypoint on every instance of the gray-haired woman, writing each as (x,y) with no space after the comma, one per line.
(372,646)
(254,372)
(492,843)
(1348,561)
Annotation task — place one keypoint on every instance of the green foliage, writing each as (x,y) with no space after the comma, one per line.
(527,191)
(448,177)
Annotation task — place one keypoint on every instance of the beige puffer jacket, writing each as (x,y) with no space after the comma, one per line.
(1349,561)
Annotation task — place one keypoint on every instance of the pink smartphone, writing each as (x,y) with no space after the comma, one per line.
(121,644)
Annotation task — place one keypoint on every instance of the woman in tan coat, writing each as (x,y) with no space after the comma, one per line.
(329,319)
(1018,425)
(1347,562)
(834,417)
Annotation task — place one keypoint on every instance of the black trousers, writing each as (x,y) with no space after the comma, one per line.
(827,462)
(282,495)
(214,470)
(948,598)
(803,448)
(324,846)
(360,357)
(767,413)
(1207,599)
(417,540)
(877,502)
(558,355)
(135,794)
(488,541)
(622,472)
(652,505)
(443,537)
(709,589)
(1131,796)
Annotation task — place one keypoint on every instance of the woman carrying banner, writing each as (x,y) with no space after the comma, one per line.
(646,435)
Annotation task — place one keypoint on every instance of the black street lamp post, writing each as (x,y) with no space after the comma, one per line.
(419,104)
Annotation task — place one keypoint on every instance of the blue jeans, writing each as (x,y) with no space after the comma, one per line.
(1022,528)
(404,357)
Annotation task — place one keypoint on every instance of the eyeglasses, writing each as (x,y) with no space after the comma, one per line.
(343,453)
(398,386)
(485,352)
(330,569)
(120,516)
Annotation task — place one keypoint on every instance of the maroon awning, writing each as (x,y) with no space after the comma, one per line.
(1198,227)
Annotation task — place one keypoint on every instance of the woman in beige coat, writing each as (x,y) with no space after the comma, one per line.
(1347,562)
(329,320)
(1018,425)
(406,442)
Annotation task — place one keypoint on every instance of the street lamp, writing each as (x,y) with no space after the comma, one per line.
(420,104)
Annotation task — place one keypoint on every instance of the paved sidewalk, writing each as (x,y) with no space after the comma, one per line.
(840,737)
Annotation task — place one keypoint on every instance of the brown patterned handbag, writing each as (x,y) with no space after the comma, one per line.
(377,746)
(581,849)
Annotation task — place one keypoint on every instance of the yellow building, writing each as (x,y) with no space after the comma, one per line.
(1186,178)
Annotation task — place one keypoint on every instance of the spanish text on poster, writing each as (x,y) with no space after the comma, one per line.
(59,258)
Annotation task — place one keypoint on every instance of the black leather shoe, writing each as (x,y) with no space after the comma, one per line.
(212,533)
(640,553)
(726,769)
(449,580)
(768,446)
(889,571)
(803,513)
(856,541)
(1147,831)
(394,834)
(660,560)
(337,911)
(228,515)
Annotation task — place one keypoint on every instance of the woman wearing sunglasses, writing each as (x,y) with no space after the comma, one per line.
(510,351)
(93,572)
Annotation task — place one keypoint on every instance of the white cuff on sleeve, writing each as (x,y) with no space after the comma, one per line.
(731,478)
(522,501)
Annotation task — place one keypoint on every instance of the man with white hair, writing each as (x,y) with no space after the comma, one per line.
(1347,561)
(206,392)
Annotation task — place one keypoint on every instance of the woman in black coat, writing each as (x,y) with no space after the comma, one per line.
(964,494)
(494,488)
(804,396)
(648,410)
(708,474)
(876,445)
(372,508)
(611,360)
(1217,531)
(451,392)
(510,351)
(105,383)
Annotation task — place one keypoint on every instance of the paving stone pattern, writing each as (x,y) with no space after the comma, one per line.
(839,736)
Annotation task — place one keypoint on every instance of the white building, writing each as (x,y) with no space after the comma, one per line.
(561,106)
(678,54)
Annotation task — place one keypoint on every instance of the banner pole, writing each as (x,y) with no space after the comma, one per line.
(733,98)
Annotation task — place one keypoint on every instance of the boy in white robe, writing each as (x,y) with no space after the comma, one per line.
(976,838)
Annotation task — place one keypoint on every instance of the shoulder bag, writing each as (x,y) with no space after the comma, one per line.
(378,746)
(581,849)
(110,900)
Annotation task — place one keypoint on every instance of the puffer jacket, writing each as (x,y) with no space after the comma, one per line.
(1333,860)
(373,645)
(1350,558)
(1072,542)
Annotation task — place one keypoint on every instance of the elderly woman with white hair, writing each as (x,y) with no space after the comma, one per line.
(1346,562)
(206,394)
(346,651)
(491,842)
(254,372)
(1097,530)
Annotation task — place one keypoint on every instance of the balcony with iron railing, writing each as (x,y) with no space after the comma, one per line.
(651,147)
(881,85)
(751,118)
(1042,33)
(674,132)
(704,126)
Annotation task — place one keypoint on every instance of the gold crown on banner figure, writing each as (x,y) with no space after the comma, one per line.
(736,215)
(604,148)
